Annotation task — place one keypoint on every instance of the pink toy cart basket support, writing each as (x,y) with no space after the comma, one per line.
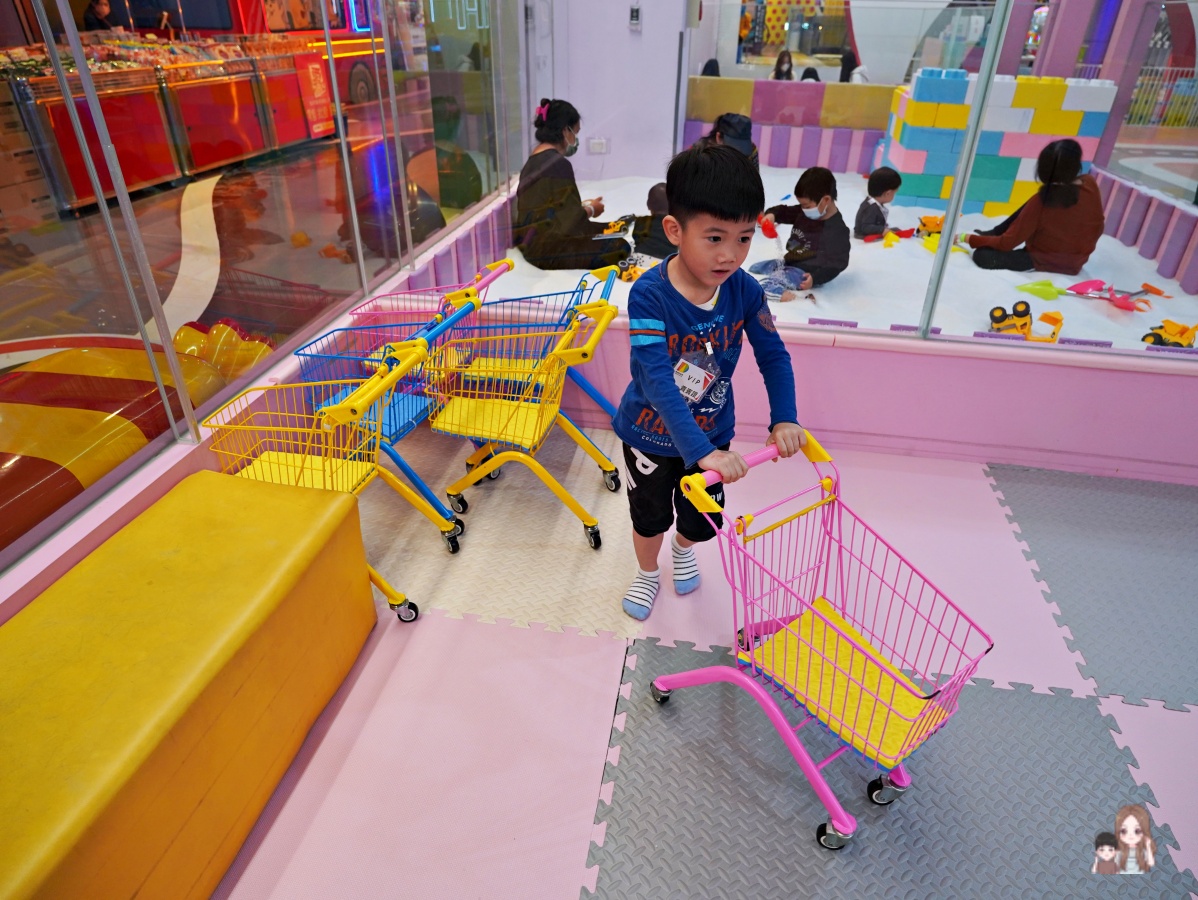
(830,615)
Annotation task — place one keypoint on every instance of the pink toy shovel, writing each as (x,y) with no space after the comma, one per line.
(1097,289)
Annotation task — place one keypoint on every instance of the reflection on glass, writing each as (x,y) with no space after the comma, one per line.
(229,148)
(1050,249)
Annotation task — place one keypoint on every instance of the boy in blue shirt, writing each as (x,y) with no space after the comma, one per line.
(688,319)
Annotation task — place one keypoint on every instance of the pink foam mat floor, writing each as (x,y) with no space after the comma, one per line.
(1163,741)
(945,517)
(460,759)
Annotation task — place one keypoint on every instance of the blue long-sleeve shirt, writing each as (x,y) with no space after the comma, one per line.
(653,416)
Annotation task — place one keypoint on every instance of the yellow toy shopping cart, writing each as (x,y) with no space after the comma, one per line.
(322,435)
(502,389)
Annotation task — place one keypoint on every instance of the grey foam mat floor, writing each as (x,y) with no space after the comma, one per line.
(1006,802)
(1120,559)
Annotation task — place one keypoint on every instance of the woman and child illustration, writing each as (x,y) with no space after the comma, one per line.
(1130,850)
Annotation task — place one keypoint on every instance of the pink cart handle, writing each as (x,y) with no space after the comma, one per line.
(752,460)
(490,272)
(695,486)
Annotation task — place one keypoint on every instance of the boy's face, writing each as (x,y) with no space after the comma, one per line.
(886,197)
(1106,854)
(710,248)
(823,205)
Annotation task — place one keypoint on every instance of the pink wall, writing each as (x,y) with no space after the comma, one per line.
(1082,412)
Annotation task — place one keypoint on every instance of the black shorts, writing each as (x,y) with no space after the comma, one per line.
(655,496)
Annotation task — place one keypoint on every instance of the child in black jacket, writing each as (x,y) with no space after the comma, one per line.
(872,215)
(819,238)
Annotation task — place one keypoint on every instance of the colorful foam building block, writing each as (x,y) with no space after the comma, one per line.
(1055,121)
(940,86)
(926,134)
(1086,95)
(1039,93)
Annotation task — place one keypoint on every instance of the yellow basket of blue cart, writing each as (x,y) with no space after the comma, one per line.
(323,435)
(503,391)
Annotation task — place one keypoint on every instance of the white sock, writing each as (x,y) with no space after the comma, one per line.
(686,569)
(638,601)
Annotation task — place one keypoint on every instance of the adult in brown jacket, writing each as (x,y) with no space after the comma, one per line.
(1057,229)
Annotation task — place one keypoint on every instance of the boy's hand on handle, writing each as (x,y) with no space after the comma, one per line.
(730,464)
(789,439)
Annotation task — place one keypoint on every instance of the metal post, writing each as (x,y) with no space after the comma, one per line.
(400,171)
(343,131)
(973,130)
(126,207)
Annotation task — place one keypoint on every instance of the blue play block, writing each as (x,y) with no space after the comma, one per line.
(940,86)
(1093,124)
(1085,168)
(989,143)
(941,164)
(934,140)
(969,207)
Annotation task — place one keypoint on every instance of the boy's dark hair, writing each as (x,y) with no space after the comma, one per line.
(815,184)
(659,203)
(1105,839)
(883,180)
(1059,165)
(716,180)
(553,117)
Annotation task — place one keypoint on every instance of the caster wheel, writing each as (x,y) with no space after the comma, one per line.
(458,503)
(408,612)
(659,695)
(593,537)
(494,474)
(882,792)
(612,480)
(451,542)
(831,839)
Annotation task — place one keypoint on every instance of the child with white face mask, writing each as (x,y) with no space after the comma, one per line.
(873,216)
(819,239)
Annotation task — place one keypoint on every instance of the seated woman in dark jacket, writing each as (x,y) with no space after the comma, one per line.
(552,223)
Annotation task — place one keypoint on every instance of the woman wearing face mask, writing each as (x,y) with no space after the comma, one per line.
(551,223)
(783,70)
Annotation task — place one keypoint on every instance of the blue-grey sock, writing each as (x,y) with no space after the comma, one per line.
(638,601)
(686,569)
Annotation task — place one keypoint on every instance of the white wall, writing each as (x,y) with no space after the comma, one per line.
(887,33)
(705,38)
(623,82)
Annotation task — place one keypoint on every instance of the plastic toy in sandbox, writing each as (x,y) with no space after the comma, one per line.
(1019,321)
(1095,289)
(1172,334)
(630,269)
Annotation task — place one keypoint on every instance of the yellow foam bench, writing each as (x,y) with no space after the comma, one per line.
(152,698)
(847,684)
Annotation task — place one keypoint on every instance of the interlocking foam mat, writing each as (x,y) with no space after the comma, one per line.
(1118,558)
(705,801)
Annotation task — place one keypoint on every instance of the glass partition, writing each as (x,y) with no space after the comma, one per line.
(185,206)
(1047,248)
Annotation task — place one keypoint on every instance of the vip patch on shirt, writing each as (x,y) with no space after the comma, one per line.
(694,374)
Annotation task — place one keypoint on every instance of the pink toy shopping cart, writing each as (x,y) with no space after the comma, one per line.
(832,617)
